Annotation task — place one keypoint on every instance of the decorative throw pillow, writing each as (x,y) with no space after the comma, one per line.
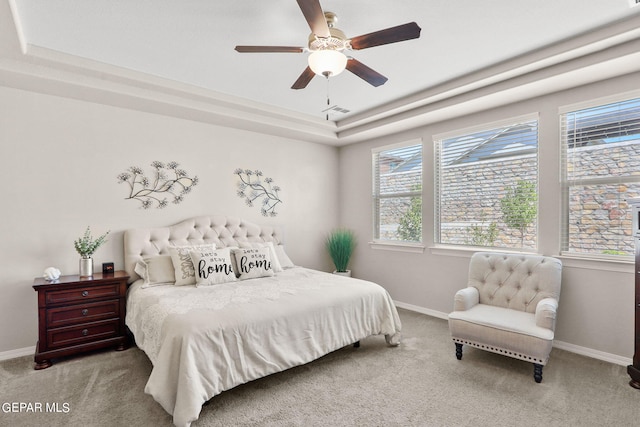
(156,271)
(285,261)
(212,267)
(275,263)
(253,262)
(233,259)
(183,266)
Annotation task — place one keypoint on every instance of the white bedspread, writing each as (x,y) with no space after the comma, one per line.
(205,340)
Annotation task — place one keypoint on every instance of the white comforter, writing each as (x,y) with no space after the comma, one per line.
(205,340)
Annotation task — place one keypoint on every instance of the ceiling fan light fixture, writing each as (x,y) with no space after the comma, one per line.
(327,62)
(327,45)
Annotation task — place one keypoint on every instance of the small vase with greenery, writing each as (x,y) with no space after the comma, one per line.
(340,244)
(86,246)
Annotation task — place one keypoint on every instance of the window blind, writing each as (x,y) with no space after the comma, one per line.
(397,192)
(600,158)
(475,171)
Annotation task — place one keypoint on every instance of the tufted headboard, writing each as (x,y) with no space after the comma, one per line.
(515,281)
(218,229)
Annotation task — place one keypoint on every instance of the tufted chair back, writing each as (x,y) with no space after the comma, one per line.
(514,281)
(221,230)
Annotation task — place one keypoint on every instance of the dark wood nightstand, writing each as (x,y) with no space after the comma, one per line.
(80,314)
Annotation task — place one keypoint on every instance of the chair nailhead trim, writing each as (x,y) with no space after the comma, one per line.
(499,350)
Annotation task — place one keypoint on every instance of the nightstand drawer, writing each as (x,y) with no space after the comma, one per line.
(83,313)
(82,294)
(72,335)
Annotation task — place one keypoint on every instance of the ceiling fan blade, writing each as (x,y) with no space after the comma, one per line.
(390,35)
(267,49)
(314,15)
(365,73)
(304,79)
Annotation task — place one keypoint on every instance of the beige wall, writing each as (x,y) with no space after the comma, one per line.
(596,305)
(59,159)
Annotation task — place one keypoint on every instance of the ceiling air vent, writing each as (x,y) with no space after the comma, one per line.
(338,109)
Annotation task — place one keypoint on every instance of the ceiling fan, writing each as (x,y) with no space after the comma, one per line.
(327,45)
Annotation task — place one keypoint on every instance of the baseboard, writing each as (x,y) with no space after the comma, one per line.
(594,354)
(583,351)
(418,309)
(19,352)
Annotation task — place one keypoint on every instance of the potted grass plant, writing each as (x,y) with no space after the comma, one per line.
(340,244)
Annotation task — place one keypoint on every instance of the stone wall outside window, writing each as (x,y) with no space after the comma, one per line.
(475,199)
(599,217)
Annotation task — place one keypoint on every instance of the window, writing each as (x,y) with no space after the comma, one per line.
(487,185)
(601,171)
(397,193)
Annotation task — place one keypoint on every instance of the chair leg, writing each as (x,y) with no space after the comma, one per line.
(537,372)
(458,351)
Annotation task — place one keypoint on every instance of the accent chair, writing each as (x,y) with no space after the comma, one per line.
(508,307)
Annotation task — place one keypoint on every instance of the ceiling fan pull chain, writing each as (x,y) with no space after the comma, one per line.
(328,103)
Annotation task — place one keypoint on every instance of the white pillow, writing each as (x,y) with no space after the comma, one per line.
(183,266)
(156,271)
(253,262)
(275,263)
(285,261)
(212,267)
(233,259)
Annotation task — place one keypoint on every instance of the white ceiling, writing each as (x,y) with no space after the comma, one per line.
(192,42)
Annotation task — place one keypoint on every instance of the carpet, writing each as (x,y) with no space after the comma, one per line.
(419,383)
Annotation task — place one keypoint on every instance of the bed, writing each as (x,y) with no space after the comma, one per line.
(205,339)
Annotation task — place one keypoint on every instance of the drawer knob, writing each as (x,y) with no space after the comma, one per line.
(85,293)
(85,332)
(85,312)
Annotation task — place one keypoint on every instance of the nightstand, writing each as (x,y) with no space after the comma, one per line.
(80,314)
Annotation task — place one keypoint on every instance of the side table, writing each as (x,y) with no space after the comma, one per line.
(80,314)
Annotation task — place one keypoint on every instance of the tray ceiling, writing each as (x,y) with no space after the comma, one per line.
(192,42)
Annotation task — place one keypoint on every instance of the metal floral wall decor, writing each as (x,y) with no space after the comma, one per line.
(252,187)
(165,183)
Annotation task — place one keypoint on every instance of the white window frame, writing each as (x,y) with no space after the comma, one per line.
(566,184)
(385,244)
(437,141)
